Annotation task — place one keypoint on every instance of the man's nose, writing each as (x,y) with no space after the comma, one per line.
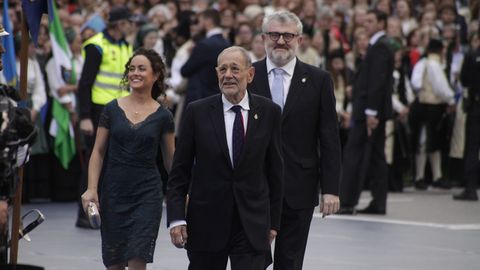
(281,40)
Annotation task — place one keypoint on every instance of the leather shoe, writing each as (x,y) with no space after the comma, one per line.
(442,183)
(346,211)
(421,185)
(466,196)
(370,210)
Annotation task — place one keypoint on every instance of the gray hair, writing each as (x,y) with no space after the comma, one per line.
(282,17)
(243,51)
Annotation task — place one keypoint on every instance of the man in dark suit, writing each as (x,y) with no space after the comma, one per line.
(200,66)
(470,77)
(310,138)
(228,159)
(364,152)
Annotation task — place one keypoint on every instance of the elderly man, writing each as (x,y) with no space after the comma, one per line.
(228,160)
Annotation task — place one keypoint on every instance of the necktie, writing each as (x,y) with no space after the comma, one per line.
(277,86)
(238,134)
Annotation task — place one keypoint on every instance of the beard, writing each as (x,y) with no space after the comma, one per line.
(280,58)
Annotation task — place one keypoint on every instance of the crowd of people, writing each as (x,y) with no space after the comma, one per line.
(387,89)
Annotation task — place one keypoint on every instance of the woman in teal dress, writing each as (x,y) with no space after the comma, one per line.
(123,175)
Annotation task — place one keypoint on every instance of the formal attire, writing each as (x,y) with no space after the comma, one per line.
(365,155)
(433,94)
(131,187)
(235,193)
(311,149)
(200,66)
(470,77)
(102,72)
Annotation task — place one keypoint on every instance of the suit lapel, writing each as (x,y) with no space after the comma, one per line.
(262,86)
(218,120)
(300,77)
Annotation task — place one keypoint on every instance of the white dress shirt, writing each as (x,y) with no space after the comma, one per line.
(229,117)
(287,76)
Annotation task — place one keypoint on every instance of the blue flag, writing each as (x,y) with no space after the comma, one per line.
(33,11)
(8,58)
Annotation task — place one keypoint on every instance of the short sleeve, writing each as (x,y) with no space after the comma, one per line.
(104,120)
(168,125)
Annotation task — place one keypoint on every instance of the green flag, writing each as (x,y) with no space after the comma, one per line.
(61,127)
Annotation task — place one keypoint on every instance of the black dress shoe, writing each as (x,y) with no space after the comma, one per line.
(346,211)
(421,185)
(466,196)
(370,210)
(442,183)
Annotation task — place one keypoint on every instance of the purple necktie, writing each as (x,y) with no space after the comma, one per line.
(238,134)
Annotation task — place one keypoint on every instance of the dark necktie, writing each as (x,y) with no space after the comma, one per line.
(238,134)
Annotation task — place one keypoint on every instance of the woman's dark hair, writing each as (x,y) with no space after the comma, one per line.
(158,68)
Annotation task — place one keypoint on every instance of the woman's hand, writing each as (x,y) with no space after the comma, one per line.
(91,195)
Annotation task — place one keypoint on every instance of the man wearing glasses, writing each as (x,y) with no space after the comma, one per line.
(310,139)
(228,159)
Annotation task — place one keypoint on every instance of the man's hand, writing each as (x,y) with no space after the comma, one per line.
(3,214)
(329,204)
(372,123)
(86,126)
(273,234)
(179,236)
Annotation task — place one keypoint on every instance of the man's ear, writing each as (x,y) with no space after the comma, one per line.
(251,74)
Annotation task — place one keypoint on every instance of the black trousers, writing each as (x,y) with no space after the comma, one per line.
(364,157)
(292,238)
(472,147)
(242,255)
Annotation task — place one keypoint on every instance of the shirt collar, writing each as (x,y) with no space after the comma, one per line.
(376,36)
(288,68)
(214,31)
(227,105)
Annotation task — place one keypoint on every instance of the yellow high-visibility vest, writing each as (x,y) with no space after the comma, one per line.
(114,57)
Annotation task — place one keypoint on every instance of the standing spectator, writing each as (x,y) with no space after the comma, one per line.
(309,125)
(123,165)
(105,56)
(404,13)
(470,78)
(233,176)
(372,105)
(257,52)
(200,67)
(433,95)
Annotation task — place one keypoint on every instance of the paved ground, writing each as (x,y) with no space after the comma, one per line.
(422,230)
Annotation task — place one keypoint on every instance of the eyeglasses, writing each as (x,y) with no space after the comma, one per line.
(235,70)
(275,36)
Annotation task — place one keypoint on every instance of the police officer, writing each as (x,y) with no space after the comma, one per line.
(470,78)
(106,54)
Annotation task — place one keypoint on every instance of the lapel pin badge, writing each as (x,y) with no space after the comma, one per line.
(255,116)
(304,80)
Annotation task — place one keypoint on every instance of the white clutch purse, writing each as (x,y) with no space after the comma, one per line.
(93,215)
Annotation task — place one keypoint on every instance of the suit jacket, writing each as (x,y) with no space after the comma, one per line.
(200,68)
(310,138)
(374,82)
(202,167)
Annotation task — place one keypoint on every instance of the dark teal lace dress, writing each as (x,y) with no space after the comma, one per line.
(131,186)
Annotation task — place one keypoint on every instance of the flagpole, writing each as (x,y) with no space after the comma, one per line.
(18,192)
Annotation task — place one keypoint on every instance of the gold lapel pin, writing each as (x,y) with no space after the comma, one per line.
(255,116)
(304,80)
